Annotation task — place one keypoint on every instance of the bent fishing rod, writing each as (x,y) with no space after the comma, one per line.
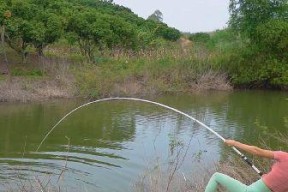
(248,161)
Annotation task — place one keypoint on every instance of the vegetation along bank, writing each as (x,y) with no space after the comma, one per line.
(88,48)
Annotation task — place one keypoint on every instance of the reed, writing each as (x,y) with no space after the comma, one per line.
(152,72)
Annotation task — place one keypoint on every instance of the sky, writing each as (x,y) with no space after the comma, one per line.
(185,15)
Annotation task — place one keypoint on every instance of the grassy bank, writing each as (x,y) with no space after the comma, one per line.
(64,73)
(155,72)
(220,61)
(217,61)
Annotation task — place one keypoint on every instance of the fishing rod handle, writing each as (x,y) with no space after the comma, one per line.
(248,161)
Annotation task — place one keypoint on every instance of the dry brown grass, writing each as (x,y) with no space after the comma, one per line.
(128,88)
(23,89)
(155,180)
(211,81)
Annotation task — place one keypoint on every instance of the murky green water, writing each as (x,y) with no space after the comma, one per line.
(108,146)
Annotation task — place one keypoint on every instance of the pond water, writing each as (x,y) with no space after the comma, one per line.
(109,146)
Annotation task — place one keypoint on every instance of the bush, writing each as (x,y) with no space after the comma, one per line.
(200,37)
(247,69)
(272,37)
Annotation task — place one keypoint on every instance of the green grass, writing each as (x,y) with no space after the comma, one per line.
(2,77)
(28,73)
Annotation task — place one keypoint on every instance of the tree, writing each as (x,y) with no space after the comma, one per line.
(124,35)
(18,26)
(49,30)
(93,24)
(272,37)
(157,16)
(246,15)
(264,22)
(264,26)
(4,17)
(90,30)
(31,26)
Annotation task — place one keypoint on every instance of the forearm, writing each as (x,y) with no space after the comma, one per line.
(250,149)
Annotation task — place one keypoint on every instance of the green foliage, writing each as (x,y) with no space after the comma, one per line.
(262,17)
(249,70)
(123,33)
(3,9)
(30,73)
(170,34)
(95,25)
(272,37)
(199,37)
(224,40)
(90,30)
(136,32)
(263,26)
(31,26)
(247,15)
(51,26)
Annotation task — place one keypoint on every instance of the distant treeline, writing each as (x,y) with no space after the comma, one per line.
(92,24)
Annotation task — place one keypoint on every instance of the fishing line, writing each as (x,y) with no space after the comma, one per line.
(155,103)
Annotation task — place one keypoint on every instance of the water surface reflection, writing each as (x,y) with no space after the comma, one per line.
(106,146)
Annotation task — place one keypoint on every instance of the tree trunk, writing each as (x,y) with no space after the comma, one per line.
(5,69)
(40,51)
(24,53)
